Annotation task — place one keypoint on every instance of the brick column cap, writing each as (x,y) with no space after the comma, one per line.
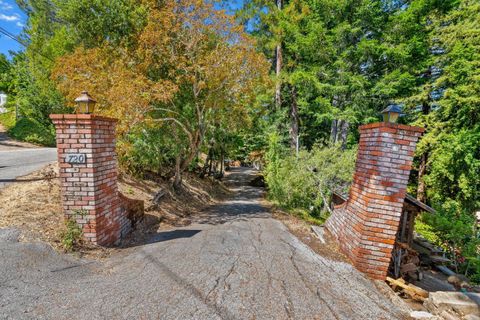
(391,125)
(60,117)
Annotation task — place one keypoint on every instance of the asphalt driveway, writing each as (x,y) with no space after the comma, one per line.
(18,158)
(234,262)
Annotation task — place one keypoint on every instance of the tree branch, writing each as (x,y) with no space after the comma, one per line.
(181,125)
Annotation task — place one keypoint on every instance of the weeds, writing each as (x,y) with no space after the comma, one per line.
(72,236)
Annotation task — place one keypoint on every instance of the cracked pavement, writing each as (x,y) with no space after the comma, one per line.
(233,262)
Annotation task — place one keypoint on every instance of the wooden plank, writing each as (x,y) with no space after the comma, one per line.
(439,259)
(413,291)
(419,204)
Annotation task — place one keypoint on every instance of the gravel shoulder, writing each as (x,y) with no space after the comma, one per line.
(233,262)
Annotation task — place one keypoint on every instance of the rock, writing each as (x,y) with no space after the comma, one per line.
(461,303)
(449,315)
(471,317)
(10,235)
(458,281)
(422,315)
(319,232)
(474,296)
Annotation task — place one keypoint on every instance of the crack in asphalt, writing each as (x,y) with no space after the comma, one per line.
(289,307)
(218,310)
(315,291)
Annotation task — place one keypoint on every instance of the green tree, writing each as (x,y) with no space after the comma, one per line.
(5,76)
(454,129)
(55,28)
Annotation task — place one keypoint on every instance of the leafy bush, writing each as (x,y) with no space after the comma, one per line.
(458,235)
(305,182)
(31,130)
(454,167)
(72,235)
(7,119)
(147,149)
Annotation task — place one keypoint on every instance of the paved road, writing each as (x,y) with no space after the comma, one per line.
(18,162)
(20,158)
(233,262)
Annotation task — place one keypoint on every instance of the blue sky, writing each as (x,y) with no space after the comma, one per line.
(13,20)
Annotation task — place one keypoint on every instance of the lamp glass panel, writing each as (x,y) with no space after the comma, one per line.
(393,117)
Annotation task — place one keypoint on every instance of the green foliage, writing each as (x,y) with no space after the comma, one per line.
(54,29)
(28,129)
(72,236)
(453,180)
(31,130)
(5,67)
(7,119)
(455,232)
(453,136)
(426,230)
(305,182)
(148,149)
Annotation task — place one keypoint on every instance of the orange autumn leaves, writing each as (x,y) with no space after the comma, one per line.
(187,48)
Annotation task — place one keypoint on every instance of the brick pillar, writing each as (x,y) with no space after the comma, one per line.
(366,225)
(88,174)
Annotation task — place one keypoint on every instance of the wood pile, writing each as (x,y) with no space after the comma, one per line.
(406,262)
(429,254)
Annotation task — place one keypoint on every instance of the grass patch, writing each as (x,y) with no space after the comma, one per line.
(306,216)
(301,214)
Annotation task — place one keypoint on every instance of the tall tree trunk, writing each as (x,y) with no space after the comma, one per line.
(206,165)
(222,164)
(422,169)
(333,131)
(421,190)
(278,67)
(294,139)
(177,180)
(182,164)
(210,156)
(344,133)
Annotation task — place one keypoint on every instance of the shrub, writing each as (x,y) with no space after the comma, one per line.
(72,236)
(31,130)
(457,234)
(7,119)
(304,183)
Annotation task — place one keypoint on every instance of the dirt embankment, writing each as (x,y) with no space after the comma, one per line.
(33,205)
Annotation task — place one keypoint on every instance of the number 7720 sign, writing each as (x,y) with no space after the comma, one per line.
(76,158)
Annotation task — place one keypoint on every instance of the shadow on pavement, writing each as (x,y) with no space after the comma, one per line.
(165,236)
(21,180)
